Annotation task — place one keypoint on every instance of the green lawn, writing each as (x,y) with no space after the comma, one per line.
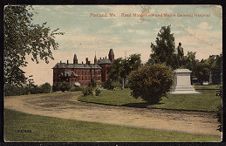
(206,101)
(25,127)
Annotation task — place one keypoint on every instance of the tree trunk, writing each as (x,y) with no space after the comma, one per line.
(123,83)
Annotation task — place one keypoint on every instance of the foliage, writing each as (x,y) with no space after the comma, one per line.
(201,71)
(190,60)
(164,48)
(87,91)
(93,83)
(97,91)
(203,68)
(10,90)
(151,82)
(75,88)
(45,88)
(108,84)
(22,39)
(116,84)
(61,86)
(121,68)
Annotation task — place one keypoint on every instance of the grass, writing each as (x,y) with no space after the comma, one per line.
(26,127)
(207,87)
(206,101)
(112,97)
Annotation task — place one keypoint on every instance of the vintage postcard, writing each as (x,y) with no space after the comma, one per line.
(129,73)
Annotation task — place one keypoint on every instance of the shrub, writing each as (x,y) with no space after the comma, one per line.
(87,91)
(61,86)
(75,88)
(97,92)
(151,82)
(10,90)
(34,89)
(108,84)
(116,84)
(93,83)
(45,88)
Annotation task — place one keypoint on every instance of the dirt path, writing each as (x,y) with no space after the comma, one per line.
(66,106)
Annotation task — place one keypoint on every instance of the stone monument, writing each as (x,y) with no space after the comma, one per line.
(182,82)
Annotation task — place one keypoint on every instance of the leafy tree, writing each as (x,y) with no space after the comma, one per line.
(115,71)
(23,39)
(164,48)
(121,68)
(201,71)
(151,82)
(190,60)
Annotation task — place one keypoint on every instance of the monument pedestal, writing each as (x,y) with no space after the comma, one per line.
(182,82)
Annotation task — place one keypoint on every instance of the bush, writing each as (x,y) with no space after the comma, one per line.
(61,86)
(10,90)
(97,92)
(151,82)
(87,91)
(93,83)
(108,84)
(116,84)
(34,89)
(45,88)
(75,88)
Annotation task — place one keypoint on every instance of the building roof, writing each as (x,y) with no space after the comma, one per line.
(84,66)
(104,61)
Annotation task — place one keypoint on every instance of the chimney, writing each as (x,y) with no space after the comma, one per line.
(67,62)
(60,62)
(82,62)
(75,59)
(87,61)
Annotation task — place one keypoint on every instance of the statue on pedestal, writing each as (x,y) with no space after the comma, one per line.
(182,76)
(179,55)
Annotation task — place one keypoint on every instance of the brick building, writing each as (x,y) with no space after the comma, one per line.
(83,73)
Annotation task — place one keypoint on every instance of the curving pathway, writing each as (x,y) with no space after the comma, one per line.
(66,106)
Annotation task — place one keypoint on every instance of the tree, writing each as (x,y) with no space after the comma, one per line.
(151,82)
(201,71)
(24,39)
(121,68)
(190,60)
(164,48)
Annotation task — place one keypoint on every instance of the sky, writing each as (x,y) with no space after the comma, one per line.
(127,29)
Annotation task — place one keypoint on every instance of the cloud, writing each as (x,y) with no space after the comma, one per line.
(204,25)
(85,35)
(201,40)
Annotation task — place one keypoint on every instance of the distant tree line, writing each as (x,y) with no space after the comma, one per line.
(30,88)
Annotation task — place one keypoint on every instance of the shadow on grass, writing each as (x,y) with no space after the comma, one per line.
(140,105)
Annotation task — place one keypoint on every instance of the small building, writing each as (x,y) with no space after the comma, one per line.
(83,73)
